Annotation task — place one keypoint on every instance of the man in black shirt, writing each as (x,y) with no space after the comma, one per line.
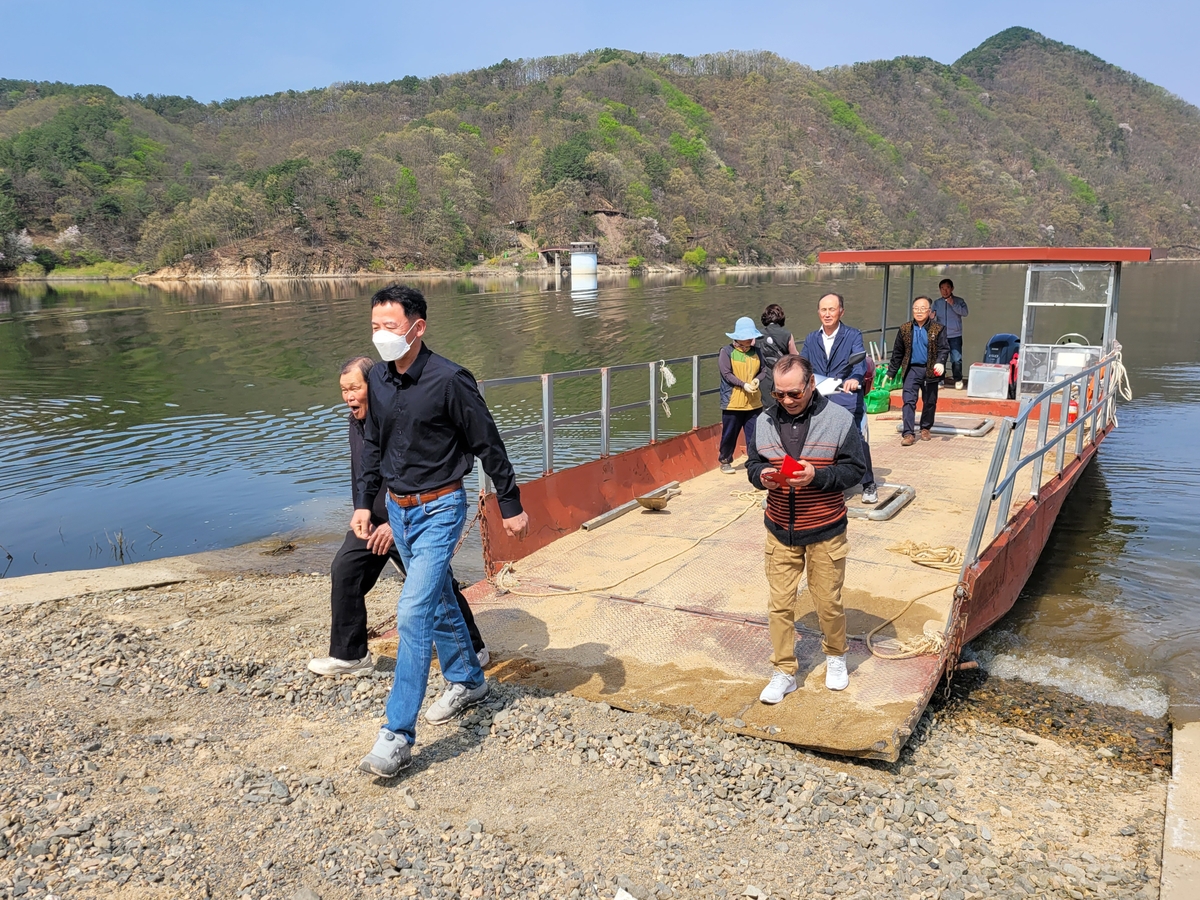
(359,563)
(426,423)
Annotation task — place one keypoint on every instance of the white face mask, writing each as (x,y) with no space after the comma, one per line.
(390,345)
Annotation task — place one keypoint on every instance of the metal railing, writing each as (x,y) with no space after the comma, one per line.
(549,421)
(1093,392)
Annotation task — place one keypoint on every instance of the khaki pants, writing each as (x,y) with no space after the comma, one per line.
(826,563)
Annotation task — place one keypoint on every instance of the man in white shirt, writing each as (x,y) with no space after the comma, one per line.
(828,350)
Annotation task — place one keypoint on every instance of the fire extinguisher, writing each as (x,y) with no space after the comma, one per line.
(1072,410)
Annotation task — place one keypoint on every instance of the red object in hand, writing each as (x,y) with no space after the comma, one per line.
(789,468)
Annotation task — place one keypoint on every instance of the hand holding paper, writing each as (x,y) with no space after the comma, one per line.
(791,473)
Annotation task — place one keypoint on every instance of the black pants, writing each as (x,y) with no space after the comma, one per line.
(355,570)
(914,384)
(733,421)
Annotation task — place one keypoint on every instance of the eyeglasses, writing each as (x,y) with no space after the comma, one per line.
(789,395)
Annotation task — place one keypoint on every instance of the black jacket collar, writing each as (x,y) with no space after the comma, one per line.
(413,374)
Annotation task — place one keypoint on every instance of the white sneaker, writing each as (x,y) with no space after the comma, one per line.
(780,685)
(331,666)
(958,385)
(484,658)
(869,494)
(836,677)
(454,700)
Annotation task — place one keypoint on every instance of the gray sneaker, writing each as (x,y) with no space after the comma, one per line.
(390,754)
(727,468)
(454,700)
(869,494)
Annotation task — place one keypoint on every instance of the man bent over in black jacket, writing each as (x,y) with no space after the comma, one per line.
(359,563)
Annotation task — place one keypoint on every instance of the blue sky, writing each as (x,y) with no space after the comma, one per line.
(217,49)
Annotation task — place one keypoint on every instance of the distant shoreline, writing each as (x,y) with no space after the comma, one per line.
(604,271)
(607,272)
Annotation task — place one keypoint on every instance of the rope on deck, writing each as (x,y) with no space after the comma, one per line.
(506,580)
(928,643)
(948,559)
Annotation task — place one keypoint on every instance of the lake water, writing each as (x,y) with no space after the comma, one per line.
(138,422)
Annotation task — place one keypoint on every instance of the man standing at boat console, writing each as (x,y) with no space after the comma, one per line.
(426,422)
(950,310)
(805,516)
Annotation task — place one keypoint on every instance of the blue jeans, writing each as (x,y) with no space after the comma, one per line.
(956,357)
(427,612)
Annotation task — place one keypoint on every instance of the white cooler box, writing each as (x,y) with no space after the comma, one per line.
(988,380)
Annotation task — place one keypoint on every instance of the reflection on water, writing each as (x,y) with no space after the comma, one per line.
(144,421)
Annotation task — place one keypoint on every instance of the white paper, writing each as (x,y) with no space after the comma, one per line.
(828,386)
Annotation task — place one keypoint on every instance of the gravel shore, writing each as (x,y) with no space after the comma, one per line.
(170,743)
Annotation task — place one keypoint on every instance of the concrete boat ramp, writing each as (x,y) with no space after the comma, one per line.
(667,608)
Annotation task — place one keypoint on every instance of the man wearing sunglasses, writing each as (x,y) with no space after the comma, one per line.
(805,516)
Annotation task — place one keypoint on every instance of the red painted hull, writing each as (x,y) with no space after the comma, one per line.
(997,579)
(562,501)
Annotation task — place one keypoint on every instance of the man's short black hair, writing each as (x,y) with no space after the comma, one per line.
(840,299)
(410,298)
(946,281)
(773,315)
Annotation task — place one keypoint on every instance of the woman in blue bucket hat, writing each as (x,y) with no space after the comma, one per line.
(741,399)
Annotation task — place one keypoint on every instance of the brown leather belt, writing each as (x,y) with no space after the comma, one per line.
(404,501)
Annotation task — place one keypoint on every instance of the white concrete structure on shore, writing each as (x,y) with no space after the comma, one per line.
(1181,842)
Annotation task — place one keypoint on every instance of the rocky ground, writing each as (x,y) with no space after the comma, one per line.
(170,743)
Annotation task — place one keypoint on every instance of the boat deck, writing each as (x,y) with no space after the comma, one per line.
(668,609)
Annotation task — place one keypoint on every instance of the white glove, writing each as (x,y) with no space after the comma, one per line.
(939,370)
(750,387)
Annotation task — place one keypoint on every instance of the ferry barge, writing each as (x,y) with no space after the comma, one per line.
(664,610)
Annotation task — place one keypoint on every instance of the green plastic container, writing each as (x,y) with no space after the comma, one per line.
(878,402)
(880,398)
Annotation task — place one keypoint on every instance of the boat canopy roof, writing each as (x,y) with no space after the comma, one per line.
(973,255)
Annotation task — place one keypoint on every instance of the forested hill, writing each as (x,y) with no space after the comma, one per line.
(751,157)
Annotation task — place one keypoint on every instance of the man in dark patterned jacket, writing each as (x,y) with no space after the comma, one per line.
(919,353)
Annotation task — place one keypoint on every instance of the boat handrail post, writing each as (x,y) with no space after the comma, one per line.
(986,496)
(1043,430)
(547,423)
(1064,410)
(653,366)
(485,483)
(1083,425)
(695,393)
(1089,413)
(605,409)
(1014,456)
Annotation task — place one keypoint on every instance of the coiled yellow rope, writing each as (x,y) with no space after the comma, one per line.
(948,559)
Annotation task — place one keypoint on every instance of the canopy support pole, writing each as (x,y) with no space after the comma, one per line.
(887,279)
